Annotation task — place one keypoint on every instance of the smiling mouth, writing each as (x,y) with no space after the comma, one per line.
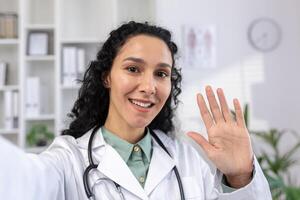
(141,104)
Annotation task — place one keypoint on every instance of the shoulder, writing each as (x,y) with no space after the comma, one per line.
(182,148)
(69,143)
(189,158)
(63,148)
(176,143)
(64,154)
(63,142)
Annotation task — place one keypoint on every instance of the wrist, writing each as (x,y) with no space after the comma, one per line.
(238,181)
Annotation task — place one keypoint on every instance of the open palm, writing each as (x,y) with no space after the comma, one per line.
(228,145)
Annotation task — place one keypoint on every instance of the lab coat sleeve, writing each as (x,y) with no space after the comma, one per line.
(257,189)
(28,177)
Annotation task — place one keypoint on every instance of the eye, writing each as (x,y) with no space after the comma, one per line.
(162,74)
(132,69)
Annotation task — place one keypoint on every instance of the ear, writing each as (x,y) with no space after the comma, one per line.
(106,79)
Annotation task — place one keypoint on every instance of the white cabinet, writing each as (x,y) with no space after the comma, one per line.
(78,25)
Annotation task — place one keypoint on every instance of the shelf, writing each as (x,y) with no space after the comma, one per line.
(71,87)
(9,41)
(9,87)
(8,131)
(43,117)
(40,58)
(40,27)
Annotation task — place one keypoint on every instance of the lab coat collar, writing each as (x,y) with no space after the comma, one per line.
(113,166)
(98,141)
(111,163)
(161,164)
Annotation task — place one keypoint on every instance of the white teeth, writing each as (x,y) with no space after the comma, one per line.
(144,105)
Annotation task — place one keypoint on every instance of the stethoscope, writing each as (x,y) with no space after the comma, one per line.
(92,166)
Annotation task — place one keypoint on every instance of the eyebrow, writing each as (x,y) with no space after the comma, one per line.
(139,60)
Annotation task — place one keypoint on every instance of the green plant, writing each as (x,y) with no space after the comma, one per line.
(275,164)
(39,135)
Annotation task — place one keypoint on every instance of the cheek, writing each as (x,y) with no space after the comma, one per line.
(165,90)
(121,86)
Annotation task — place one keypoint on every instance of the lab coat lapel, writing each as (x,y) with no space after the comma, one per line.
(111,164)
(115,168)
(160,166)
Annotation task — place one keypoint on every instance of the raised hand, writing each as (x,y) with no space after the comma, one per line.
(229,144)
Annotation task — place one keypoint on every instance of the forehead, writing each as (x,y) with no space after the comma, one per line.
(149,48)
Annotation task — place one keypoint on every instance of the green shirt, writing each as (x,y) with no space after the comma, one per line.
(137,156)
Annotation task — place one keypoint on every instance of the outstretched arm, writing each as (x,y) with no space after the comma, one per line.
(25,176)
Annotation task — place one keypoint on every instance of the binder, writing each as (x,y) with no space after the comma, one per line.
(15,110)
(8,110)
(3,73)
(32,105)
(69,66)
(80,62)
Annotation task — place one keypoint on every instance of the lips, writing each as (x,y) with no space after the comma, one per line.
(142,103)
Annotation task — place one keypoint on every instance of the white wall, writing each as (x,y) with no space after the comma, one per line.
(269,82)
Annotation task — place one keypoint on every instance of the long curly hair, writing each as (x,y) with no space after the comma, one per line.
(90,110)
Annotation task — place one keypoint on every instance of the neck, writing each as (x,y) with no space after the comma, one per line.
(130,134)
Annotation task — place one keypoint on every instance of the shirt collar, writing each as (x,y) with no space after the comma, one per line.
(146,144)
(125,148)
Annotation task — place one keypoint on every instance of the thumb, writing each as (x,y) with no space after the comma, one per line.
(198,138)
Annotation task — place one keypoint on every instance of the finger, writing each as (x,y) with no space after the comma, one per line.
(214,107)
(199,139)
(224,105)
(239,113)
(205,114)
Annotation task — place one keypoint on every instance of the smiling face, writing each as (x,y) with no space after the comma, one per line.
(139,83)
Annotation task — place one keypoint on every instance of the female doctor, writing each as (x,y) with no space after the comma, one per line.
(121,142)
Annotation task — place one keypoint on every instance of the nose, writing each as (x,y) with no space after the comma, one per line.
(148,85)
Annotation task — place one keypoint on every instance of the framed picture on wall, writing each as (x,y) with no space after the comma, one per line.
(199,44)
(38,43)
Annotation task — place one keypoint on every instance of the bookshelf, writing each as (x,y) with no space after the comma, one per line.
(65,25)
(10,57)
(9,42)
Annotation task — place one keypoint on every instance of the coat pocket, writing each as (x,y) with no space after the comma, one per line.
(192,189)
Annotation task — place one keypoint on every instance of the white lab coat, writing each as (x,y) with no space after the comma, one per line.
(56,174)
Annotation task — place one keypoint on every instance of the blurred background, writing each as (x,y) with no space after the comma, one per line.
(249,48)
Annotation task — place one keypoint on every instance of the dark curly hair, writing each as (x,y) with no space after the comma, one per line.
(91,108)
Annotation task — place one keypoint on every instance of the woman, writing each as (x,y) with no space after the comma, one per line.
(124,110)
